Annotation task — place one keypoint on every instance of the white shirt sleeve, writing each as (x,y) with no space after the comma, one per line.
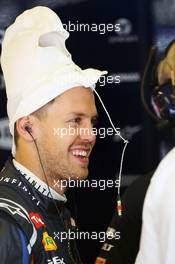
(157,243)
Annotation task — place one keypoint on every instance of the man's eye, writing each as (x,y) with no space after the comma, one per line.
(76,120)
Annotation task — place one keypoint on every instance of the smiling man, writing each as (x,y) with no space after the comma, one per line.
(64,156)
(46,92)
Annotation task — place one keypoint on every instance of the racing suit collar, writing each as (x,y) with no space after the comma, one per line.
(35,181)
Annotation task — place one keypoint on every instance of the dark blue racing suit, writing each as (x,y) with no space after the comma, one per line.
(30,224)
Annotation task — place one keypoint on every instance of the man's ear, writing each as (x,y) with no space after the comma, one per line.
(24,128)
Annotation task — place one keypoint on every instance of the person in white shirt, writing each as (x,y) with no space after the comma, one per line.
(158,225)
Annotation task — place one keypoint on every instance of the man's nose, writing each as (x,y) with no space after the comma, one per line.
(87,133)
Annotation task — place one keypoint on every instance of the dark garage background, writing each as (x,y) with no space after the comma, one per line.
(122,54)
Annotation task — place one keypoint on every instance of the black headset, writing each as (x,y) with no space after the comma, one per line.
(161,98)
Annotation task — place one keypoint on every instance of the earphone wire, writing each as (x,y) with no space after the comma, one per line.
(41,164)
(119,205)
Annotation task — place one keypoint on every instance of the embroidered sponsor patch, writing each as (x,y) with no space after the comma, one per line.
(37,220)
(100,261)
(48,242)
(56,260)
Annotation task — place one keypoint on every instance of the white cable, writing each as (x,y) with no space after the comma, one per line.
(118,134)
(121,167)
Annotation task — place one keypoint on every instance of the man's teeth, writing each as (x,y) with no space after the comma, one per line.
(80,153)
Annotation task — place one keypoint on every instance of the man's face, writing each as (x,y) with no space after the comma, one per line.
(67,155)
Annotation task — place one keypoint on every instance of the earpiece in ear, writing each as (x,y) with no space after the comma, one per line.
(28,128)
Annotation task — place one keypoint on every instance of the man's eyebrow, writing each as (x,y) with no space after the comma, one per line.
(95,116)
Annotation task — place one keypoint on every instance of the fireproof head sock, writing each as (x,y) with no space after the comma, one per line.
(36,64)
